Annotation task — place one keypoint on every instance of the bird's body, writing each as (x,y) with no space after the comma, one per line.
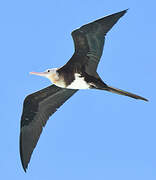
(78,73)
(78,83)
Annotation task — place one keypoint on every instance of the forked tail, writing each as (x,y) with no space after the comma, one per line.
(125,93)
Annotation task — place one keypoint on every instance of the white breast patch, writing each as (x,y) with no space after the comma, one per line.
(78,83)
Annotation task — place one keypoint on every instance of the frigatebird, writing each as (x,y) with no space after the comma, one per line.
(78,73)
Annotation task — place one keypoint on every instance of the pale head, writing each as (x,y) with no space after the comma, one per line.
(51,74)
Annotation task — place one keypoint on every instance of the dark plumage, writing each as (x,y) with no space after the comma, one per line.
(80,69)
(37,109)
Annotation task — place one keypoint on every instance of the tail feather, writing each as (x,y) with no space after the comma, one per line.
(125,93)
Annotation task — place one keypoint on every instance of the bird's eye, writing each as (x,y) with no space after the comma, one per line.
(48,70)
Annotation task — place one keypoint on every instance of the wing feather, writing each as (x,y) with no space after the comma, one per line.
(37,109)
(89,41)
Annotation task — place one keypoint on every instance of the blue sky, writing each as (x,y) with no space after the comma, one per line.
(96,134)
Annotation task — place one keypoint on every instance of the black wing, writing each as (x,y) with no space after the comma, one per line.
(37,109)
(89,41)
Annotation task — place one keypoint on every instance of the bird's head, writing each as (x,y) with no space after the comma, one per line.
(51,74)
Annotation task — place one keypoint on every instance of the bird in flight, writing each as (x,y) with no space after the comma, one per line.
(78,73)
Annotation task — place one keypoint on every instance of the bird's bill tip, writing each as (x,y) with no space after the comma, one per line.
(38,73)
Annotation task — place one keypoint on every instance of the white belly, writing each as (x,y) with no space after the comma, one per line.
(78,83)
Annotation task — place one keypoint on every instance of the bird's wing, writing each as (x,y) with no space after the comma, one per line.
(37,108)
(89,41)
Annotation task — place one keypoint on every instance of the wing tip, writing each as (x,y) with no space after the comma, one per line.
(25,169)
(144,99)
(24,165)
(125,10)
(121,13)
